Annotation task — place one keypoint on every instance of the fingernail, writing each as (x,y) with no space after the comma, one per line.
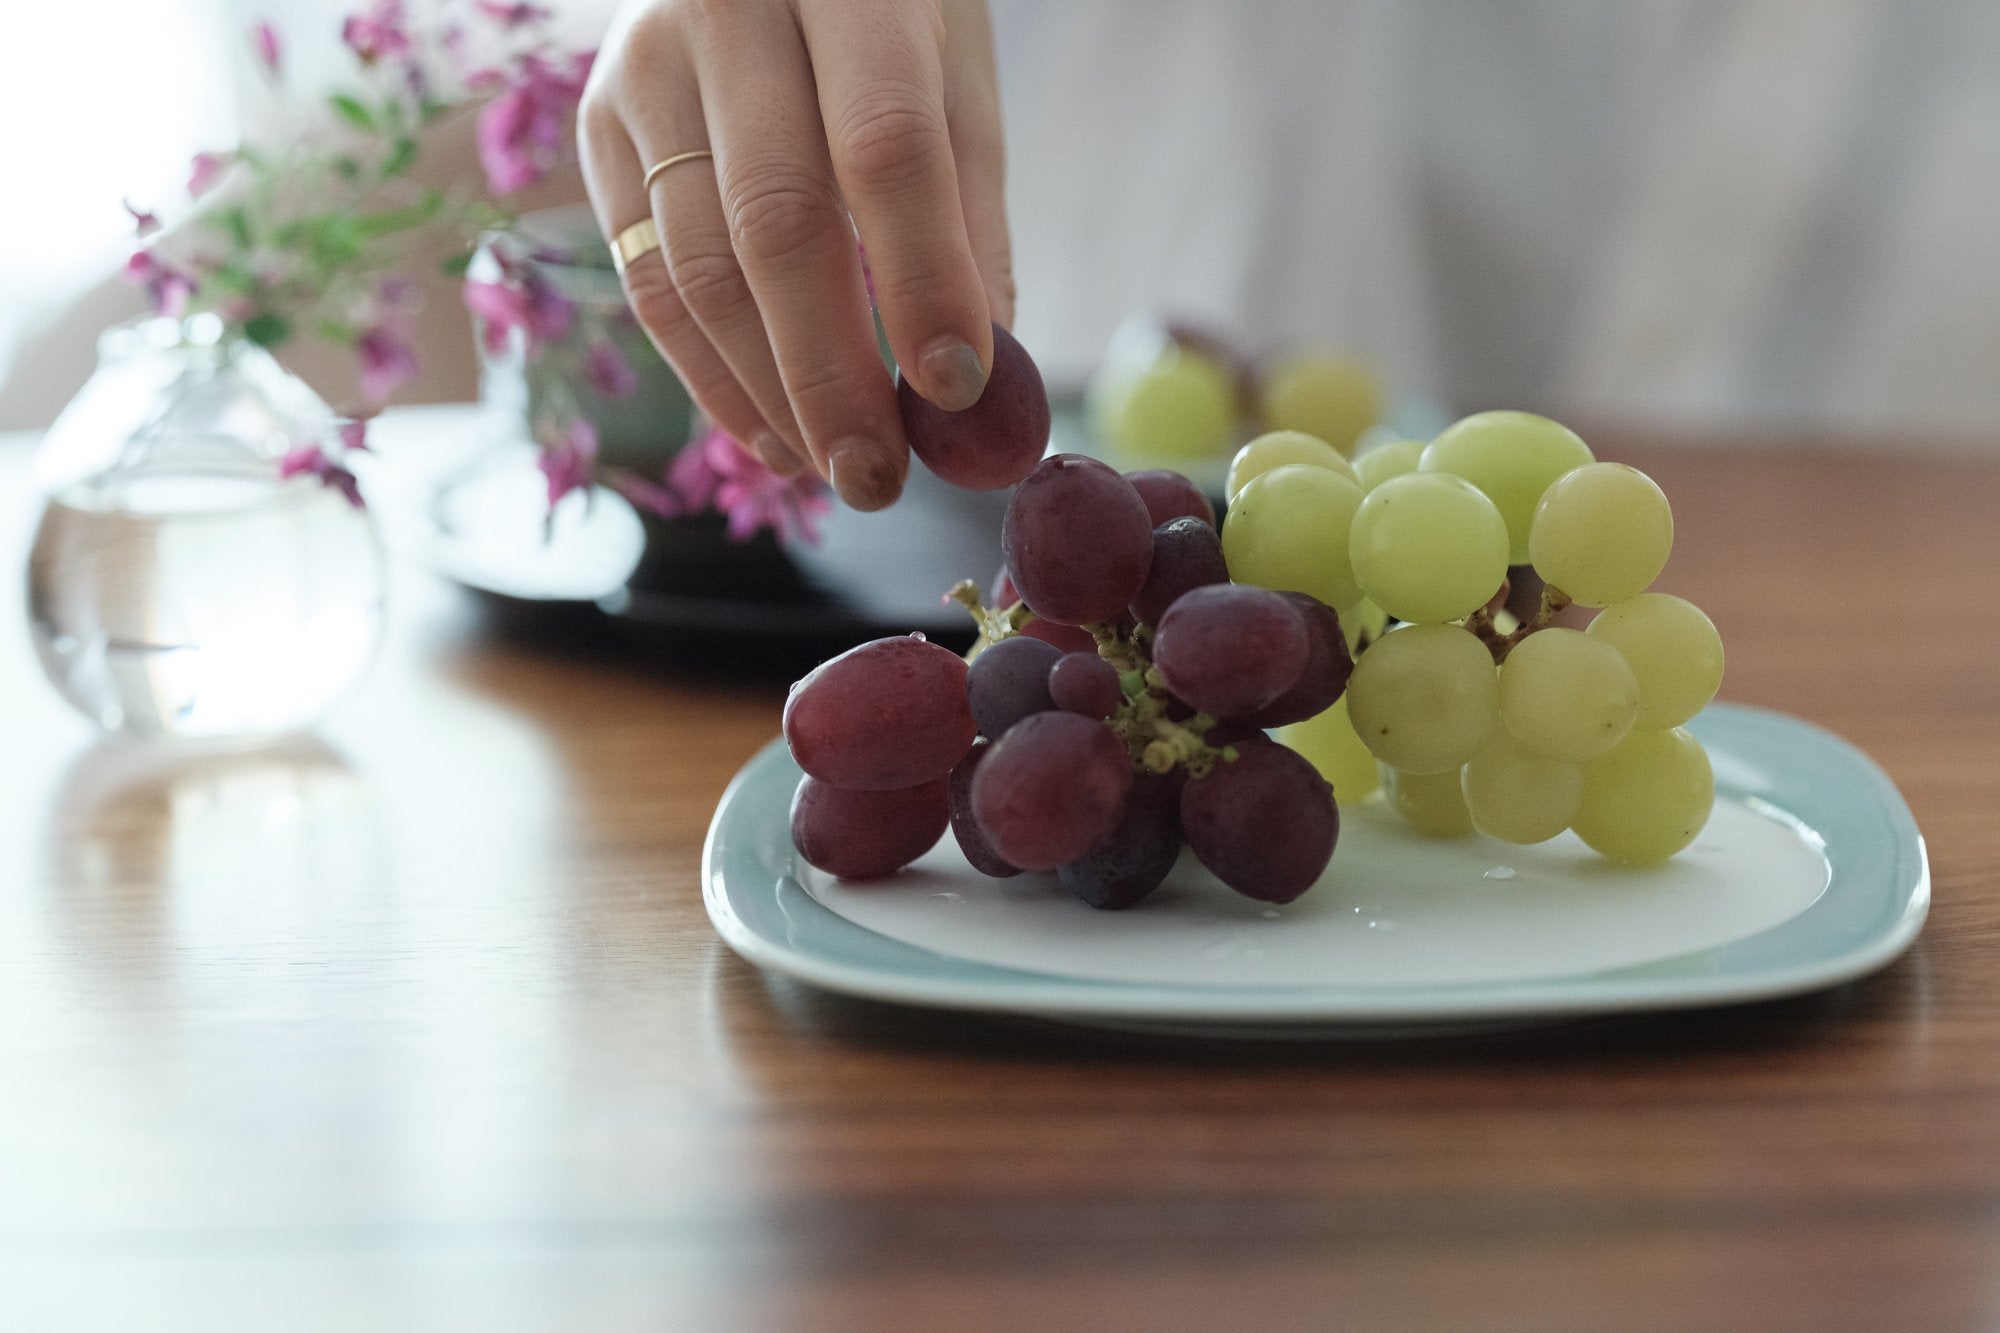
(777,455)
(953,374)
(862,476)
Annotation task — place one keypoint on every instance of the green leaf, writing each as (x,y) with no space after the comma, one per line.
(236,221)
(334,330)
(335,241)
(231,276)
(346,168)
(266,329)
(400,219)
(352,111)
(455,266)
(401,157)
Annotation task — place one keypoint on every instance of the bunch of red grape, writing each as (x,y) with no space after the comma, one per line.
(1114,709)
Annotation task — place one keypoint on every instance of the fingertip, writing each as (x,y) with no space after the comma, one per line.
(863,476)
(951,374)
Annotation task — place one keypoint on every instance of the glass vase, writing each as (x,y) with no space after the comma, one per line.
(180,584)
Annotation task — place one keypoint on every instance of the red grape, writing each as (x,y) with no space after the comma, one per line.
(1078,540)
(996,441)
(1085,683)
(1051,789)
(866,834)
(1328,665)
(1264,823)
(1140,852)
(1230,649)
(1009,681)
(1169,495)
(1187,554)
(970,840)
(1065,638)
(889,714)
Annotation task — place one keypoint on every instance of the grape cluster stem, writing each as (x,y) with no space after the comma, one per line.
(1481,622)
(1156,742)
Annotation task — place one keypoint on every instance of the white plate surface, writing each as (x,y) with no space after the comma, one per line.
(1811,872)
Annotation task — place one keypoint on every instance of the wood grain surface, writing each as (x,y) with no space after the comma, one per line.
(420,1024)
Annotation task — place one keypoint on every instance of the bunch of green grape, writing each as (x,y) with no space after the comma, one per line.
(1477,716)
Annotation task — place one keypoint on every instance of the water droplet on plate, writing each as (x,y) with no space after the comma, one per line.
(1499,872)
(1233,948)
(946,896)
(1271,914)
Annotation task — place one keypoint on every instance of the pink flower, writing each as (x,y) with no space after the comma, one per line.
(569,456)
(168,289)
(377,33)
(309,460)
(354,435)
(524,132)
(264,41)
(206,170)
(387,361)
(715,472)
(608,371)
(144,220)
(523,300)
(513,15)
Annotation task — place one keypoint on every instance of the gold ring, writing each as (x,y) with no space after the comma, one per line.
(655,171)
(641,238)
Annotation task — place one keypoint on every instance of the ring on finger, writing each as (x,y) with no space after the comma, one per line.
(661,167)
(640,239)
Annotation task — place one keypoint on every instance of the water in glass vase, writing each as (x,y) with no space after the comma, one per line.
(217,602)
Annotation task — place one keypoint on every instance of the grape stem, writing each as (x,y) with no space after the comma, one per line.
(1480,622)
(1156,742)
(994,623)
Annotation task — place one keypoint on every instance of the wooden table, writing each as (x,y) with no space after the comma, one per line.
(421,1024)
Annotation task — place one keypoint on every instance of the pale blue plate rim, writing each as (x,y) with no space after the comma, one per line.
(1877,897)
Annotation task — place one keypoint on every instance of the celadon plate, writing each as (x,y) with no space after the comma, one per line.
(1811,872)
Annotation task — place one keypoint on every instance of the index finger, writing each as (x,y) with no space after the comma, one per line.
(879,68)
(797,251)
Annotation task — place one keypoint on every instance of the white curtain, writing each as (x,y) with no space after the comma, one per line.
(1735,214)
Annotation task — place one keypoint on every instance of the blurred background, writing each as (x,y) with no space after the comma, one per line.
(1759,216)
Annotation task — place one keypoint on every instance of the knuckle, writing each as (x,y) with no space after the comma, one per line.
(597,113)
(889,138)
(709,281)
(650,291)
(776,213)
(825,396)
(652,31)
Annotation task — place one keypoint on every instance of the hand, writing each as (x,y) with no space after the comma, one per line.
(815,110)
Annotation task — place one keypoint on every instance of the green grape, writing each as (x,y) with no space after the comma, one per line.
(1424,698)
(1520,797)
(1431,802)
(1648,798)
(1565,695)
(1279,448)
(1176,404)
(1329,742)
(1366,621)
(1384,461)
(1674,651)
(1428,547)
(1512,456)
(1331,397)
(1288,529)
(1602,533)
